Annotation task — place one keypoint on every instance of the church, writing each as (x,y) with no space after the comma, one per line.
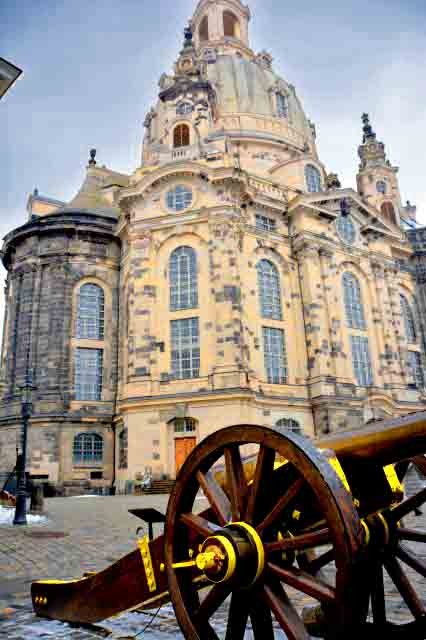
(230,279)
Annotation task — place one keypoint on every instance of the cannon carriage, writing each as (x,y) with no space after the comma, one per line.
(291,538)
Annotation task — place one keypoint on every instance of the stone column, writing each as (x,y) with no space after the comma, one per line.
(316,317)
(230,364)
(396,328)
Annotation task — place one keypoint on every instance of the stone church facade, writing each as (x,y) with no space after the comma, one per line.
(230,279)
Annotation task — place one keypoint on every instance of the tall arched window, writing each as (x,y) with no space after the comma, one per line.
(388,212)
(409,323)
(381,186)
(282,105)
(183,279)
(313,179)
(204,29)
(231,26)
(288,424)
(353,302)
(269,290)
(181,136)
(90,312)
(123,449)
(88,449)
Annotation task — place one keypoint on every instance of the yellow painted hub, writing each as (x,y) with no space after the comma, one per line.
(256,539)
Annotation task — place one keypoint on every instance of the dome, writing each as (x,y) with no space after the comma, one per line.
(247,86)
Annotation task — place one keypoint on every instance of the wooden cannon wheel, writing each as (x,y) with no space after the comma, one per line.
(253,542)
(387,553)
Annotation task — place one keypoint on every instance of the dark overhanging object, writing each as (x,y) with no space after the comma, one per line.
(280,515)
(151,516)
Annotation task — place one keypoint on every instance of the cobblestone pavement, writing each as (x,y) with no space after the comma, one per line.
(93,533)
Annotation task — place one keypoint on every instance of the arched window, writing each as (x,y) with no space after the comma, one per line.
(282,105)
(123,449)
(388,212)
(88,449)
(381,186)
(353,302)
(181,137)
(231,26)
(269,290)
(183,108)
(90,312)
(203,31)
(346,229)
(183,279)
(409,323)
(313,179)
(288,424)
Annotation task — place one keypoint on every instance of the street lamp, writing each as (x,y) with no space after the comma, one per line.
(21,463)
(8,74)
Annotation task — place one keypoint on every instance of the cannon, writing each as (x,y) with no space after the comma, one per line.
(279,535)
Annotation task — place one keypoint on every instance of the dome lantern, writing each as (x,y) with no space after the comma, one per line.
(222,21)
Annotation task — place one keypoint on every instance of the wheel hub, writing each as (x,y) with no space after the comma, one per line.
(235,553)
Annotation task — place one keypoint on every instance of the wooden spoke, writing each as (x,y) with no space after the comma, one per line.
(316,564)
(236,482)
(304,582)
(282,503)
(216,497)
(238,616)
(299,543)
(403,509)
(411,534)
(261,619)
(404,587)
(262,476)
(199,525)
(411,560)
(211,603)
(284,612)
(378,596)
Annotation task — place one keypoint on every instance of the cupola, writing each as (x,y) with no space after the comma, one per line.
(224,21)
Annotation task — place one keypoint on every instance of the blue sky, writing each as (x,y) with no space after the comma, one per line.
(91,71)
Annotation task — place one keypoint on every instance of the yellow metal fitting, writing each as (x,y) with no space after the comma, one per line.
(207,560)
(143,544)
(393,480)
(296,515)
(366,532)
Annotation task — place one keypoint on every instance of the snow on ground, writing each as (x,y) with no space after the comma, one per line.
(7,515)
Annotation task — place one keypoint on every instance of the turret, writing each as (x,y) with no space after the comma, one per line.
(377,179)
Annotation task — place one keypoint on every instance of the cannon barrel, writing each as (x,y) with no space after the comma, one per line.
(382,443)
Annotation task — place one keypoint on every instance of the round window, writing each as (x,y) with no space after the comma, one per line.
(179,198)
(346,229)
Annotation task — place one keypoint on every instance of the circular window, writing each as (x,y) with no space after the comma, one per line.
(346,229)
(179,198)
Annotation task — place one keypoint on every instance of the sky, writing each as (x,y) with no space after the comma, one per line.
(91,72)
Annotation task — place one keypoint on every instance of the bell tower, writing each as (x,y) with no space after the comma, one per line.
(377,179)
(221,22)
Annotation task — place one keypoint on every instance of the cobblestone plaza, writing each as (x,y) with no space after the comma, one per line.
(92,533)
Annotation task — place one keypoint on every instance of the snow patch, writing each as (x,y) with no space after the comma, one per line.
(7,515)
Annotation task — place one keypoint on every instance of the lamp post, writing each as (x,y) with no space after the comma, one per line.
(21,493)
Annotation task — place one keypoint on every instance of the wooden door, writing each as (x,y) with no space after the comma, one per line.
(183,447)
